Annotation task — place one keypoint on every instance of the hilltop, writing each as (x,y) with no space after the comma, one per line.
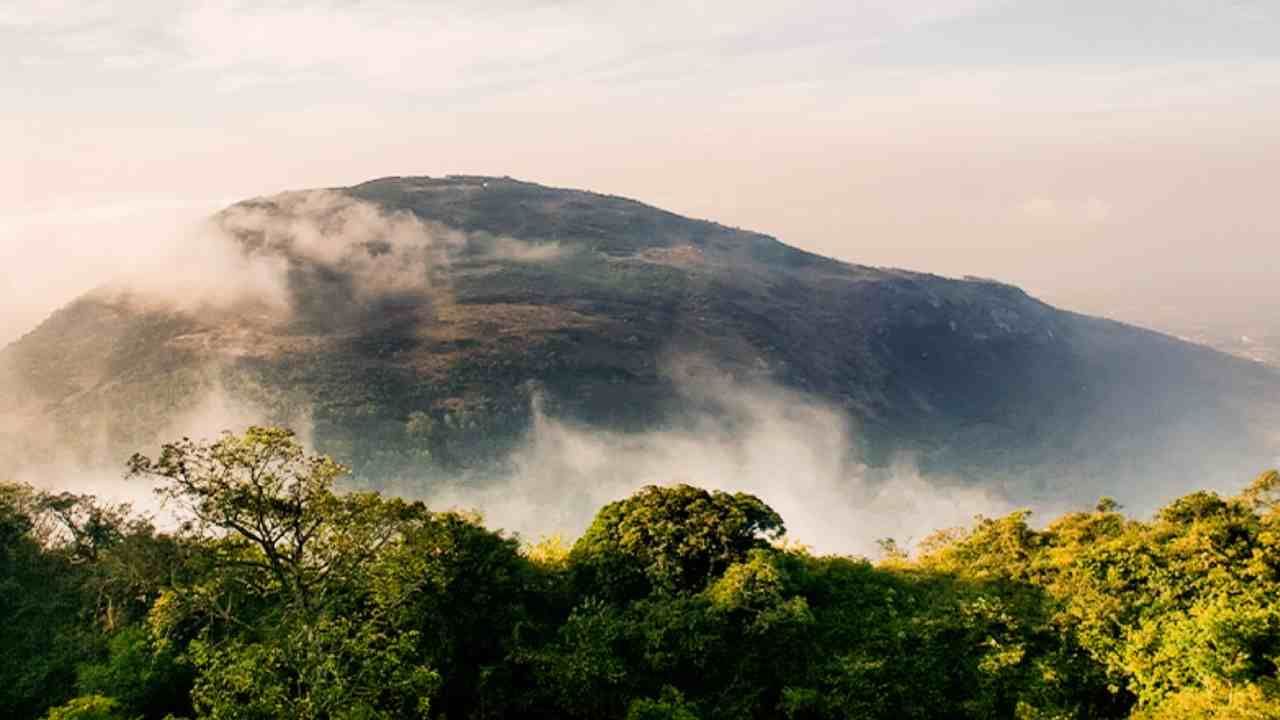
(416,325)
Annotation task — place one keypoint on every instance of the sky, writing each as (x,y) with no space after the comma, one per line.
(1101,154)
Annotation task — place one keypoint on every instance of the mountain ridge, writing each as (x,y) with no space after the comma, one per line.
(412,320)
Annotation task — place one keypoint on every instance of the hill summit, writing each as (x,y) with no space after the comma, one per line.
(418,327)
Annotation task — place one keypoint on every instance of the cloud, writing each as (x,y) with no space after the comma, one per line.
(1097,210)
(66,250)
(1044,210)
(382,253)
(789,449)
(1039,208)
(379,253)
(159,249)
(309,256)
(50,15)
(454,46)
(213,411)
(521,251)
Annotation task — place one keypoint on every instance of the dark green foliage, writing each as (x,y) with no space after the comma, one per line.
(670,706)
(466,596)
(283,599)
(45,606)
(670,540)
(145,680)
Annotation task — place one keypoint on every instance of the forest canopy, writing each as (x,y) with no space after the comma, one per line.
(280,596)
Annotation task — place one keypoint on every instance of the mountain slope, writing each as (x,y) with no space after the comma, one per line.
(411,322)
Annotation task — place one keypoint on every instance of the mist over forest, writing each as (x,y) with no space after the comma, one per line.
(650,361)
(356,316)
(278,597)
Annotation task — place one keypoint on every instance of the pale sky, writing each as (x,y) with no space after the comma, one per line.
(1089,151)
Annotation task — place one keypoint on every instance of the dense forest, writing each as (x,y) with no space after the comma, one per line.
(281,597)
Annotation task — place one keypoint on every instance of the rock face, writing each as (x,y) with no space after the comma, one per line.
(411,321)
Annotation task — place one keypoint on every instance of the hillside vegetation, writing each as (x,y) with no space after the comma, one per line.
(279,598)
(409,324)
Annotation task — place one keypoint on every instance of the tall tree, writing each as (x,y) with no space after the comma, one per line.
(292,615)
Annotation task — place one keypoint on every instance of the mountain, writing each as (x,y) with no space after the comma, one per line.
(417,326)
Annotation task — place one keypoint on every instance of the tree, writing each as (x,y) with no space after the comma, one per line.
(143,680)
(43,604)
(84,526)
(260,491)
(88,707)
(669,706)
(282,597)
(1263,493)
(670,540)
(292,614)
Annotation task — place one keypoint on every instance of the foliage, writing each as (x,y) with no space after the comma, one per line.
(282,597)
(329,667)
(88,707)
(142,678)
(671,540)
(670,706)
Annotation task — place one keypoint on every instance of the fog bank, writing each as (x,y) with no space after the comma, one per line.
(793,452)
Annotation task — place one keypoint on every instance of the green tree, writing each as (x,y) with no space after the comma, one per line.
(143,680)
(293,615)
(669,706)
(88,707)
(670,539)
(47,629)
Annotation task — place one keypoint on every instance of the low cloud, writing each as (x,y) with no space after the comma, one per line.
(170,255)
(201,269)
(378,252)
(789,449)
(237,272)
(101,472)
(792,451)
(508,248)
